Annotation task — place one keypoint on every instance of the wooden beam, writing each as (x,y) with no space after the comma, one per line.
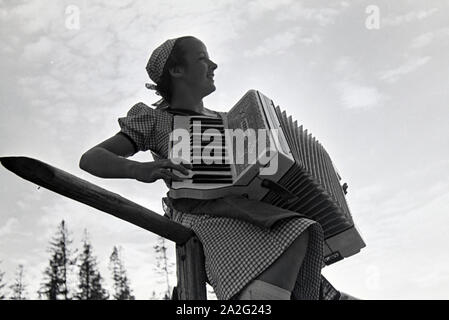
(190,271)
(88,193)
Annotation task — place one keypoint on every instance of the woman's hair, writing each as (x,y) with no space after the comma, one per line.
(176,58)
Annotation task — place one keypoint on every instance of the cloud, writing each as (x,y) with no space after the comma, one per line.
(409,66)
(33,17)
(281,42)
(396,230)
(356,96)
(347,67)
(9,227)
(257,8)
(276,44)
(312,39)
(427,38)
(423,40)
(289,10)
(320,16)
(408,17)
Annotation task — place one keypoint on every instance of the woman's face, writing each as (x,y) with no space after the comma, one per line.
(198,72)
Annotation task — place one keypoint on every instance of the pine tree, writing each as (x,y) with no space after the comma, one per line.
(163,266)
(18,288)
(56,282)
(2,285)
(90,281)
(121,282)
(51,288)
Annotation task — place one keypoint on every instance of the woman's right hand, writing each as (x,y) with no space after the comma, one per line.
(152,171)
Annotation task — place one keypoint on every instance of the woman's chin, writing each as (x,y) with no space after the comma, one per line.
(211,89)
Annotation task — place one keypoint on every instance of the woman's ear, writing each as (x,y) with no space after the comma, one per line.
(176,71)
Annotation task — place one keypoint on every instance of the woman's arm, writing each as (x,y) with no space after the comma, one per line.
(108,160)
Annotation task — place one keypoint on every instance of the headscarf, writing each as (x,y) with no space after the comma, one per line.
(156,64)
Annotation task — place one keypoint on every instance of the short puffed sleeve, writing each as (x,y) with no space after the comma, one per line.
(148,128)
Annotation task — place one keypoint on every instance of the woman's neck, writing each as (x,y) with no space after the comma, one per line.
(187,102)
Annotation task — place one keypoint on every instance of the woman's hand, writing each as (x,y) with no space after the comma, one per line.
(152,171)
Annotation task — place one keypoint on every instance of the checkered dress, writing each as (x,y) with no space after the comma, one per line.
(236,251)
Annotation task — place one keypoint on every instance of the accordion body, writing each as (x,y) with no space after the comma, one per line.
(290,169)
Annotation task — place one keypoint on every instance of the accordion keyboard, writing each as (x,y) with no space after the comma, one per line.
(210,164)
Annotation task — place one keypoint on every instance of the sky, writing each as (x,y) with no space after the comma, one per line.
(368,78)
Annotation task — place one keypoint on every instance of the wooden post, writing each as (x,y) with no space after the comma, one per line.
(190,271)
(189,251)
(88,193)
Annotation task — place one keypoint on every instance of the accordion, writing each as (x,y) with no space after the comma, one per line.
(257,151)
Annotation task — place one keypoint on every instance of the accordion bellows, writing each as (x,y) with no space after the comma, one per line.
(305,180)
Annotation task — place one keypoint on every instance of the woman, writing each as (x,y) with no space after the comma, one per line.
(252,250)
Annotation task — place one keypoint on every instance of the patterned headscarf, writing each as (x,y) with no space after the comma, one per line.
(159,57)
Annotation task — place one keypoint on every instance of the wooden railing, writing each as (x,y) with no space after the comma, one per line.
(189,251)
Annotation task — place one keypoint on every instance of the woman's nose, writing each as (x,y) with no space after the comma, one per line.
(213,65)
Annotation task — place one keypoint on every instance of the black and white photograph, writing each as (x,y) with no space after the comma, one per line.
(224,150)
